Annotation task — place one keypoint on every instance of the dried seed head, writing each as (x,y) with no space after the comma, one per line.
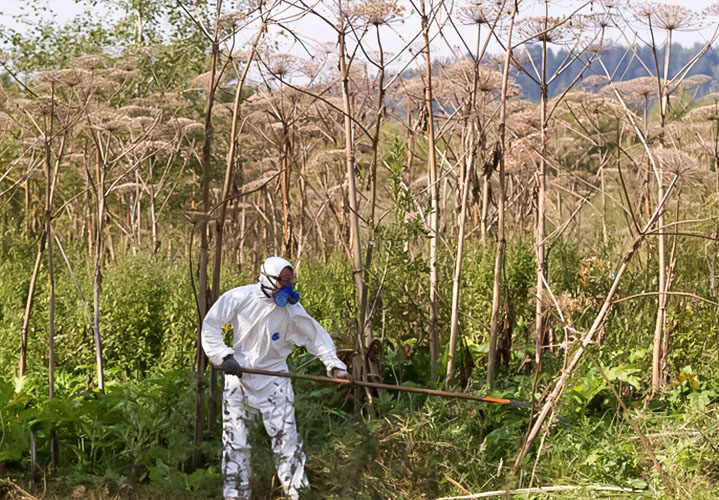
(67,78)
(704,113)
(118,74)
(668,17)
(593,83)
(231,20)
(460,74)
(328,157)
(644,86)
(525,123)
(180,122)
(164,100)
(310,68)
(240,55)
(609,5)
(90,62)
(140,123)
(409,90)
(635,91)
(42,105)
(712,10)
(545,29)
(195,129)
(597,20)
(600,45)
(150,148)
(490,80)
(378,12)
(695,81)
(674,160)
(480,14)
(99,85)
(109,120)
(593,105)
(282,65)
(133,110)
(520,152)
(201,81)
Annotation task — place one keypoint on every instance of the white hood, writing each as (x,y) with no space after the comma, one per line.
(272,266)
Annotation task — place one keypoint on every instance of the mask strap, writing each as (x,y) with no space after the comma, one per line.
(265,289)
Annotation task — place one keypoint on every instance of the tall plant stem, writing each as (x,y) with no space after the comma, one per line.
(456,279)
(203,298)
(375,153)
(285,152)
(97,280)
(469,153)
(659,326)
(50,271)
(434,201)
(220,225)
(499,259)
(364,332)
(541,197)
(22,364)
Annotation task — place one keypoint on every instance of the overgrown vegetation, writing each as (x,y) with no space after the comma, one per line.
(136,435)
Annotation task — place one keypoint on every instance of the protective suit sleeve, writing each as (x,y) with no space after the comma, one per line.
(307,332)
(218,316)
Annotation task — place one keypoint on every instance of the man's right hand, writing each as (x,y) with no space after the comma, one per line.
(231,366)
(338,372)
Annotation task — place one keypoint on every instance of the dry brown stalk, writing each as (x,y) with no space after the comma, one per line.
(11,491)
(499,258)
(540,490)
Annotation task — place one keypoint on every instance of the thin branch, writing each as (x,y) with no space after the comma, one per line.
(541,489)
(682,294)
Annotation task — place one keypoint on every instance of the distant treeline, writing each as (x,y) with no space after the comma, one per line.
(623,63)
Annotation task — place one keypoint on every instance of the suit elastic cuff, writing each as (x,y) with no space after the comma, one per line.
(217,359)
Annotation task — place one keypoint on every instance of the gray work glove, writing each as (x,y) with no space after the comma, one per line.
(231,366)
(338,372)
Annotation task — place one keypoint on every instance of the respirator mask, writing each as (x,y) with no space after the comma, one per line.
(272,275)
(285,295)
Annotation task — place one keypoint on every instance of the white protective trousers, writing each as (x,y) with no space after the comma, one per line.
(264,335)
(278,416)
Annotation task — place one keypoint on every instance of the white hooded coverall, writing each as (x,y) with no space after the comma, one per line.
(263,336)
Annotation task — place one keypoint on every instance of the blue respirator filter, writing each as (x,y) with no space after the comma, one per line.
(286,295)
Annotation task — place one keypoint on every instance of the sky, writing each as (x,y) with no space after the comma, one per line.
(64,10)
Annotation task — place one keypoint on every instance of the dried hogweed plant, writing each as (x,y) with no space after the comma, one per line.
(668,17)
(282,65)
(479,14)
(378,12)
(545,29)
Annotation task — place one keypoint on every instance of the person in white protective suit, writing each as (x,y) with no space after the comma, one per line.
(267,322)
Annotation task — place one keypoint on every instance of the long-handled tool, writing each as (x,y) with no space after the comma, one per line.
(404,388)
